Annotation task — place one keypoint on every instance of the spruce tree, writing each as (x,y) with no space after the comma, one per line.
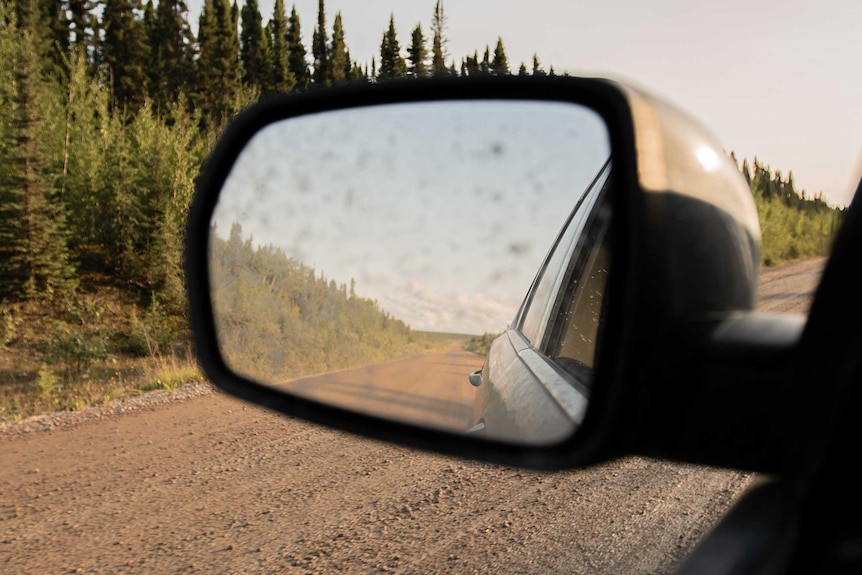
(320,48)
(83,26)
(418,54)
(281,77)
(392,65)
(251,39)
(438,43)
(218,70)
(171,51)
(485,65)
(537,66)
(297,62)
(339,57)
(522,71)
(35,260)
(124,53)
(500,63)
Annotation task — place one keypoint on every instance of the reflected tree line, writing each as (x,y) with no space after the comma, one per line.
(279,319)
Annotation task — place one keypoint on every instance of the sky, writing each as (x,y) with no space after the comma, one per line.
(778,80)
(442,212)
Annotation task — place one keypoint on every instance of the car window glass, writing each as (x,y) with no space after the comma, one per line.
(544,294)
(580,315)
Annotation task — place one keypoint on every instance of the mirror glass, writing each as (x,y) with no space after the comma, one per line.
(374,258)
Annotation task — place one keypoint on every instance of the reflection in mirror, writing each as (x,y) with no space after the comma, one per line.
(373,258)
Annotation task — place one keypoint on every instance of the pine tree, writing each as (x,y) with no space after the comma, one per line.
(500,63)
(438,44)
(297,62)
(320,48)
(522,71)
(124,53)
(251,39)
(338,57)
(281,78)
(418,54)
(392,65)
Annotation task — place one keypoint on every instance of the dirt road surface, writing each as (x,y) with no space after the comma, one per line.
(208,484)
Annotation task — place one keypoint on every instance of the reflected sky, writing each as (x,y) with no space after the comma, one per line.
(442,211)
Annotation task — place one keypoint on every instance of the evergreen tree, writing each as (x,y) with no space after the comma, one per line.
(537,66)
(297,62)
(470,65)
(438,43)
(320,48)
(281,77)
(251,39)
(746,171)
(500,63)
(34,256)
(54,28)
(83,27)
(392,65)
(418,54)
(522,71)
(218,70)
(171,51)
(338,57)
(124,53)
(485,65)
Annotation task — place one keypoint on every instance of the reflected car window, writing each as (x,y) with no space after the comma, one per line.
(574,343)
(543,297)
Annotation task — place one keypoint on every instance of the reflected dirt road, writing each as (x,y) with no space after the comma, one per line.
(431,390)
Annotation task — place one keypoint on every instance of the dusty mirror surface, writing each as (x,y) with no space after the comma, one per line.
(369,257)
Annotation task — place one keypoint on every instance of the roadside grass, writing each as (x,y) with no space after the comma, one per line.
(101,348)
(93,349)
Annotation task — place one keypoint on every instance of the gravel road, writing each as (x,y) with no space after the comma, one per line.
(196,482)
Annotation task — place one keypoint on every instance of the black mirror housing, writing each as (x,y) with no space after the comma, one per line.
(685,243)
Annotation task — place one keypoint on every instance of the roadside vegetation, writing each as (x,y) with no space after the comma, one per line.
(107,111)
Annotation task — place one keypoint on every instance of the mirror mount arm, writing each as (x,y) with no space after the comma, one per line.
(723,395)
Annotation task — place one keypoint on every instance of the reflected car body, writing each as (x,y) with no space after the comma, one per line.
(535,383)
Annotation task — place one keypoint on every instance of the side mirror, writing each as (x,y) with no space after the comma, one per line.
(355,256)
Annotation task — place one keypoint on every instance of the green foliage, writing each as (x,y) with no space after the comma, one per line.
(392,64)
(9,323)
(297,62)
(46,381)
(793,226)
(500,63)
(124,52)
(34,256)
(281,78)
(155,334)
(338,57)
(319,47)
(438,41)
(218,66)
(418,54)
(79,338)
(251,44)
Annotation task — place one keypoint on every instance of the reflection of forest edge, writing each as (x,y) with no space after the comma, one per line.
(278,319)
